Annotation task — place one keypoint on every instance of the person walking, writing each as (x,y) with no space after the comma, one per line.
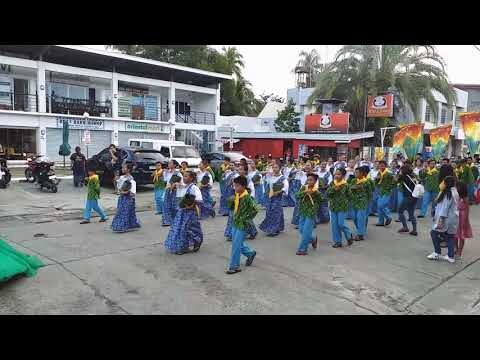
(93,194)
(126,218)
(385,184)
(339,195)
(78,162)
(362,193)
(429,178)
(406,184)
(159,185)
(464,228)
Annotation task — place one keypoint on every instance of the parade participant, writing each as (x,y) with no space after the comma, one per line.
(210,170)
(396,196)
(406,182)
(205,184)
(464,228)
(288,200)
(339,194)
(93,194)
(465,175)
(330,165)
(475,175)
(116,164)
(184,167)
(324,180)
(243,210)
(277,185)
(372,175)
(445,161)
(78,167)
(342,162)
(126,219)
(362,192)
(256,178)
(227,190)
(186,230)
(172,178)
(350,177)
(366,162)
(14,263)
(301,179)
(385,185)
(221,171)
(418,167)
(309,199)
(445,221)
(429,179)
(159,185)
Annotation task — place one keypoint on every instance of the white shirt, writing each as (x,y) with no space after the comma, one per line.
(273,179)
(201,174)
(339,164)
(124,178)
(251,174)
(325,175)
(167,175)
(192,189)
(373,174)
(416,171)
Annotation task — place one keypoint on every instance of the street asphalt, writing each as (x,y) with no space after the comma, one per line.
(90,270)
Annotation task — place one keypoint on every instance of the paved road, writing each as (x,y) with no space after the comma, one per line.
(90,270)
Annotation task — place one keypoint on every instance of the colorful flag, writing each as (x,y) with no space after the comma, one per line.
(471,127)
(408,140)
(439,140)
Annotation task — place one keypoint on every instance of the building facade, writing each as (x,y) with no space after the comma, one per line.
(106,97)
(473,91)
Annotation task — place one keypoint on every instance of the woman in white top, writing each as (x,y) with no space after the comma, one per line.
(126,219)
(205,184)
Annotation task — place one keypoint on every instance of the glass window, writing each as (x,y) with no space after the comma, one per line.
(427,113)
(185,152)
(147,145)
(59,89)
(77,92)
(135,143)
(149,155)
(165,151)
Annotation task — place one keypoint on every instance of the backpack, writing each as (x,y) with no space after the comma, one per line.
(418,190)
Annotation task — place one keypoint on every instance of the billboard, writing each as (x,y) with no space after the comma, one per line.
(336,123)
(380,106)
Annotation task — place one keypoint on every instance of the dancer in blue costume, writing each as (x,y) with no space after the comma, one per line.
(173,178)
(256,177)
(277,185)
(222,169)
(288,200)
(325,177)
(186,230)
(205,183)
(226,190)
(372,175)
(126,219)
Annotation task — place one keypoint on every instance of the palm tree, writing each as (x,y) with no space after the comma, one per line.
(245,96)
(411,72)
(234,61)
(309,63)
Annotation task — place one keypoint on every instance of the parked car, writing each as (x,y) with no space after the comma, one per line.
(216,158)
(143,161)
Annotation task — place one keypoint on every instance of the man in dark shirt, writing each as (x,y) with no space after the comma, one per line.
(78,166)
(116,165)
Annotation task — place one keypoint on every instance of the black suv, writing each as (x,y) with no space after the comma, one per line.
(143,161)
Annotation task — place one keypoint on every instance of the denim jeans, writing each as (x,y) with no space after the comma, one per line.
(159,193)
(408,203)
(306,226)
(471,192)
(372,208)
(436,239)
(383,208)
(93,205)
(239,248)
(338,226)
(428,198)
(400,197)
(360,219)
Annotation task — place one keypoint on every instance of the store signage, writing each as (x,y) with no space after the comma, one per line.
(145,127)
(336,123)
(380,106)
(79,123)
(5,68)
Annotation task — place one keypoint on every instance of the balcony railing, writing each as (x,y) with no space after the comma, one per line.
(196,117)
(63,105)
(18,102)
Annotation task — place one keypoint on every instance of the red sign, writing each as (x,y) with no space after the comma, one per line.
(328,123)
(380,106)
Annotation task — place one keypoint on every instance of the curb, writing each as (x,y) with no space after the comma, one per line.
(19,179)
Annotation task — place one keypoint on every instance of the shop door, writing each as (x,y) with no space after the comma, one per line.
(20,87)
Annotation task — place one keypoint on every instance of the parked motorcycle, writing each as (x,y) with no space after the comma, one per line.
(31,170)
(45,176)
(5,175)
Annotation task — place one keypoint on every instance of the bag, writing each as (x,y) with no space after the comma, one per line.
(418,191)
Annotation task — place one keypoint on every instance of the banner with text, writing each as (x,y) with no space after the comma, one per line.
(471,127)
(327,123)
(439,138)
(380,106)
(408,140)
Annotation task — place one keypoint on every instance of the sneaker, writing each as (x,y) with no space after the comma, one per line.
(388,222)
(301,253)
(379,225)
(314,243)
(232,271)
(414,233)
(359,238)
(420,216)
(449,259)
(103,220)
(250,259)
(337,245)
(85,222)
(433,256)
(398,220)
(403,230)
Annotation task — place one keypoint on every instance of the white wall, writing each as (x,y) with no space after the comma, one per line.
(247,124)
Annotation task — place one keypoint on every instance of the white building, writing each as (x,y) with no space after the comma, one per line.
(124,96)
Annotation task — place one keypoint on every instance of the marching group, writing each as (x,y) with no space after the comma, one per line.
(319,191)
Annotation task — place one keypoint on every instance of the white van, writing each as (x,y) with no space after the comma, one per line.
(173,150)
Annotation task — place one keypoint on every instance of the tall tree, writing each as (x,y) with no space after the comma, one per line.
(309,63)
(234,61)
(411,72)
(287,119)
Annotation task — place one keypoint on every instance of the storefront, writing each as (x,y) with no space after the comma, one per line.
(139,130)
(15,142)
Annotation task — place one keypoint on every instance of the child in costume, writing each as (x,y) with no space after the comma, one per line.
(205,184)
(173,179)
(159,185)
(126,219)
(362,193)
(385,184)
(93,194)
(429,179)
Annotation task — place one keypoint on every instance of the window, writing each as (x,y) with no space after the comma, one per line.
(427,113)
(443,116)
(185,152)
(149,155)
(147,145)
(165,151)
(135,143)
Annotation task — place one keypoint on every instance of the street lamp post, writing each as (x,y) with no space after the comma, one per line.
(86,115)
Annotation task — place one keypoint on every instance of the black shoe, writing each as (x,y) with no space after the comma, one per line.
(359,238)
(414,233)
(232,271)
(398,220)
(252,237)
(181,252)
(379,225)
(420,216)
(228,239)
(196,247)
(350,241)
(315,243)
(103,220)
(250,259)
(336,245)
(213,214)
(85,222)
(388,222)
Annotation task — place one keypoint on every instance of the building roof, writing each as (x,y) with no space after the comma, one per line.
(467,86)
(304,136)
(81,56)
(271,109)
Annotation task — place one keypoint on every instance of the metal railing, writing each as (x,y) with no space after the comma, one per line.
(70,106)
(196,117)
(18,101)
(142,112)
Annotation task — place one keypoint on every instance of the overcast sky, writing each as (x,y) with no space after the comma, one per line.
(269,67)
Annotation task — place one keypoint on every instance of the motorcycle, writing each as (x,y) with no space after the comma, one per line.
(5,175)
(31,170)
(45,176)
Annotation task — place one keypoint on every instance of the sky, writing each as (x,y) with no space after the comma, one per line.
(269,67)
